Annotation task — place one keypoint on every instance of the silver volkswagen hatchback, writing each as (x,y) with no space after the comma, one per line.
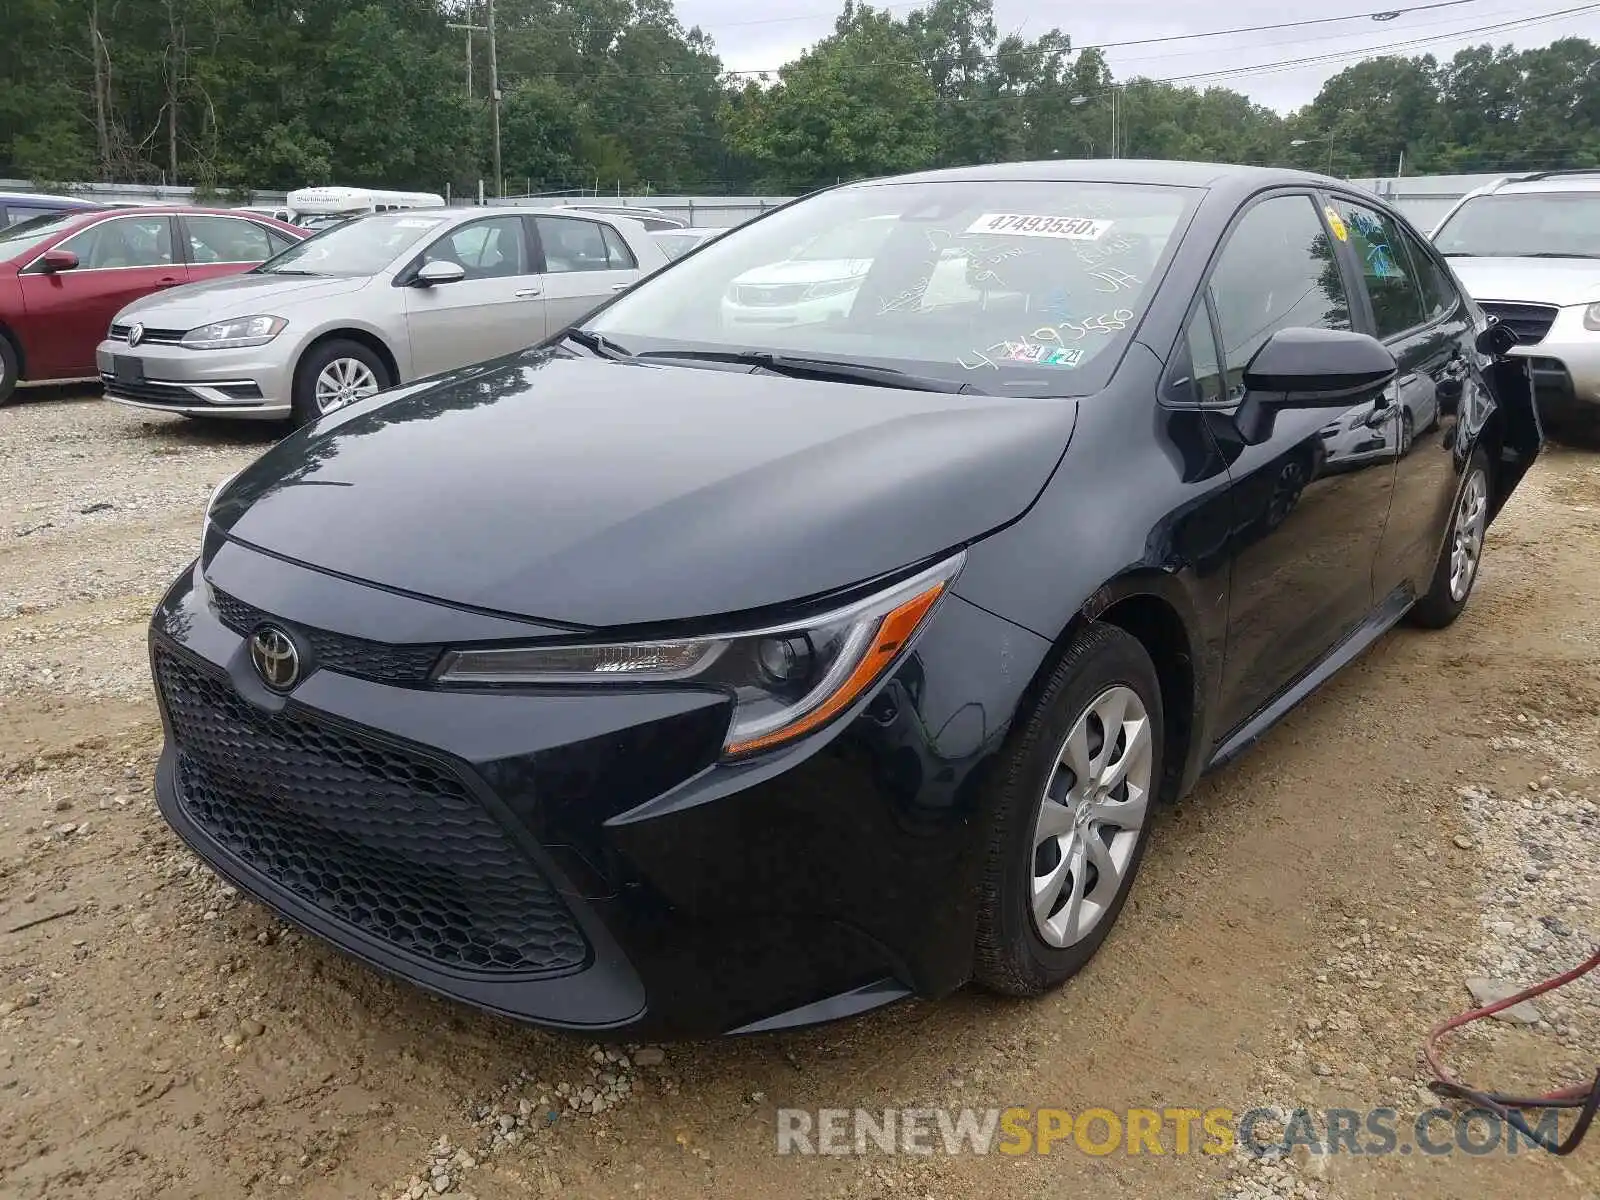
(373,302)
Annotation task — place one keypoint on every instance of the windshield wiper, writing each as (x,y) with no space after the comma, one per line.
(832,369)
(291,271)
(597,343)
(1460,254)
(1557,254)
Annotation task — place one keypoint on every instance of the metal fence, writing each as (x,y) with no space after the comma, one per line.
(1423,198)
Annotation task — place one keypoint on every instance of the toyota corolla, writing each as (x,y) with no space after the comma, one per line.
(667,677)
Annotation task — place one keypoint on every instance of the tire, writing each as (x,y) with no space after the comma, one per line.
(10,369)
(1408,432)
(1449,592)
(1030,840)
(342,358)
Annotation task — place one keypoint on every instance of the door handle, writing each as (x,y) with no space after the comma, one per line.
(620,287)
(167,281)
(527,293)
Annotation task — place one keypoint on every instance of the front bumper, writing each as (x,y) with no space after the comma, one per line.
(579,860)
(1566,363)
(249,383)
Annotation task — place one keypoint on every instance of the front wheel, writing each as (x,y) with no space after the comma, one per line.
(1071,817)
(1457,568)
(335,374)
(10,369)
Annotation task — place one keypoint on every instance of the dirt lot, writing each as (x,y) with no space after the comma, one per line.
(1300,923)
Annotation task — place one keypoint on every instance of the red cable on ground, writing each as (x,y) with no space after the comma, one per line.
(1579,1096)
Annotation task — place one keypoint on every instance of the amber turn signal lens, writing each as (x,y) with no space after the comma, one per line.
(893,632)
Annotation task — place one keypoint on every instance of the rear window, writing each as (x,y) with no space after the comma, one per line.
(1011,287)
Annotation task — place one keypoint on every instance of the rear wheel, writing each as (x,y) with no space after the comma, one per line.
(1071,819)
(10,369)
(1457,568)
(334,374)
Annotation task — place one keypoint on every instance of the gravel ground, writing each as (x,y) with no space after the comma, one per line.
(1302,920)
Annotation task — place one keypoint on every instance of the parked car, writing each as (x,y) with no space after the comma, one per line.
(62,278)
(653,219)
(662,678)
(675,243)
(17,207)
(1528,250)
(376,301)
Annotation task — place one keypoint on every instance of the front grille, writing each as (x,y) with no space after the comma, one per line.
(761,295)
(365,659)
(150,393)
(1530,322)
(381,839)
(153,337)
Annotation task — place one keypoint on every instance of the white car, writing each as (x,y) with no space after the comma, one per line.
(1527,249)
(377,301)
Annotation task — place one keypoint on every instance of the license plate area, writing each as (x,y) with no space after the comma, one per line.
(127,368)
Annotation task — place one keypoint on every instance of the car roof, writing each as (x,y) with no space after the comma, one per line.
(48,198)
(1170,173)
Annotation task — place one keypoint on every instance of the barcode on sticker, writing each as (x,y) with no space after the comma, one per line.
(1082,229)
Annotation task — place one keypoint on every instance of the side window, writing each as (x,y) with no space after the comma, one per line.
(492,249)
(617,252)
(1439,294)
(226,240)
(1386,267)
(571,244)
(1205,371)
(1277,271)
(123,242)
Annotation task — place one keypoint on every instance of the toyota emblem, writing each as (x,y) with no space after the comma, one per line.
(135,335)
(273,654)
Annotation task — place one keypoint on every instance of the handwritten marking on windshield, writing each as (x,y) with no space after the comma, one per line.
(1115,280)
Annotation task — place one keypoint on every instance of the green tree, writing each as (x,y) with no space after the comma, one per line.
(858,103)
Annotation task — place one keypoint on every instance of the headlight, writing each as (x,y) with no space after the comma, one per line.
(235,334)
(834,287)
(1591,317)
(786,680)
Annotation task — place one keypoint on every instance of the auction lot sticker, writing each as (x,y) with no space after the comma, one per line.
(1078,229)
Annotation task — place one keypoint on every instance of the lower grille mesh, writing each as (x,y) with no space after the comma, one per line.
(383,840)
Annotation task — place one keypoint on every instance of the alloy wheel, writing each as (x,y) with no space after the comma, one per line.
(1090,817)
(343,381)
(1467,539)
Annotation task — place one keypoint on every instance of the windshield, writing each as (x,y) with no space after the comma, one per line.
(363,246)
(21,238)
(1003,286)
(1524,225)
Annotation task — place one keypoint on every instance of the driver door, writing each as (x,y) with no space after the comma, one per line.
(495,309)
(1309,502)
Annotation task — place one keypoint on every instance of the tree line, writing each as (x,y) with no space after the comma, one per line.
(228,95)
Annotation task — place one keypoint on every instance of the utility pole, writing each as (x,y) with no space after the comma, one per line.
(494,103)
(494,81)
(470,30)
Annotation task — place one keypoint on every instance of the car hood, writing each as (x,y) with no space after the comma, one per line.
(821,270)
(1530,280)
(234,296)
(595,493)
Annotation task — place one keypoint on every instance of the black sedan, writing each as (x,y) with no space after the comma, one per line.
(714,668)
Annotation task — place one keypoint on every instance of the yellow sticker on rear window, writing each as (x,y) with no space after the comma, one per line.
(1336,224)
(1079,229)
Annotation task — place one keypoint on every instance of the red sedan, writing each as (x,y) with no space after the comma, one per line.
(63,278)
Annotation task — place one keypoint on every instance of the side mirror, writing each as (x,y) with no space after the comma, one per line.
(1497,339)
(58,260)
(439,271)
(1317,368)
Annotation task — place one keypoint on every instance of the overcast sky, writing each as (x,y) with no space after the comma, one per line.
(752,37)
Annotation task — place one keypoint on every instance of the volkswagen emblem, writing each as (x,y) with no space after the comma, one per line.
(135,335)
(275,658)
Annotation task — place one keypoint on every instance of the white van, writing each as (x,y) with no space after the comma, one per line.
(315,207)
